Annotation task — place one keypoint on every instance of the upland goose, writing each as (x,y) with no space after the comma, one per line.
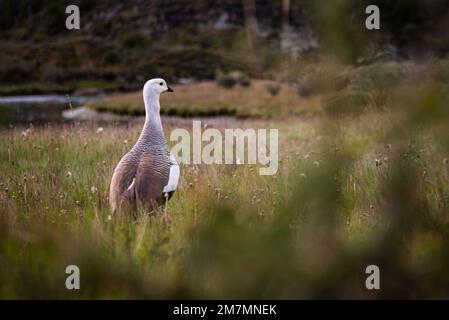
(148,174)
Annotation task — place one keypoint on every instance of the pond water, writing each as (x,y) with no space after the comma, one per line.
(35,109)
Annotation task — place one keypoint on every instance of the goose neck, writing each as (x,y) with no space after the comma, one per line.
(152,129)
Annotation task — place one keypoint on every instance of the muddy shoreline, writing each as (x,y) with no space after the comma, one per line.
(84,114)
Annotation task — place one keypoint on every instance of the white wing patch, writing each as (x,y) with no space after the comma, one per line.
(132,184)
(173,177)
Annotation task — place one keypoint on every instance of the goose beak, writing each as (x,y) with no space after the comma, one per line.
(169,89)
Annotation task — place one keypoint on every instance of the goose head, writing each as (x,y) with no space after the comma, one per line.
(155,87)
(151,92)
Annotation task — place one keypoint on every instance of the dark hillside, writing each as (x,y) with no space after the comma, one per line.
(122,43)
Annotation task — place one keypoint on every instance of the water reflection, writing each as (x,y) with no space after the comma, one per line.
(42,108)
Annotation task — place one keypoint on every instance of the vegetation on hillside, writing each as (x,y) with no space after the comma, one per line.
(316,87)
(127,43)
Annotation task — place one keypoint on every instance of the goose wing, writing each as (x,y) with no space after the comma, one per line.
(151,176)
(122,179)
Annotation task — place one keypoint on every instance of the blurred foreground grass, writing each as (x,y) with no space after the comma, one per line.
(353,189)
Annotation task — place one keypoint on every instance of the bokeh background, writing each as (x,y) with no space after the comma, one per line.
(362,116)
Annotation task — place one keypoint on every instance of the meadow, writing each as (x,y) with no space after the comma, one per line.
(208,99)
(363,175)
(359,183)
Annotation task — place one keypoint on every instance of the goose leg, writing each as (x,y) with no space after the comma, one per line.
(166,218)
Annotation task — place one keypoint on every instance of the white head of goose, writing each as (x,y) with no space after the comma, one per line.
(148,174)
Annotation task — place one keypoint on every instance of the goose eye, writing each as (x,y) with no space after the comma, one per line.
(160,83)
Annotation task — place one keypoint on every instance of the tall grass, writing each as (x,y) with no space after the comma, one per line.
(351,190)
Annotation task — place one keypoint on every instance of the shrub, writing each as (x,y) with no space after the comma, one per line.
(315,83)
(378,76)
(442,71)
(226,80)
(351,103)
(133,40)
(273,88)
(245,81)
(111,57)
(229,80)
